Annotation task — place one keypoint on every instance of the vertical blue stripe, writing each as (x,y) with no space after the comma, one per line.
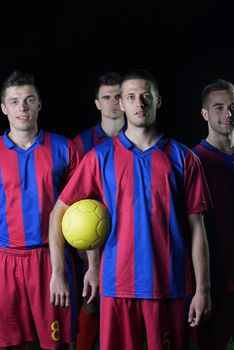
(30,200)
(106,164)
(143,225)
(177,211)
(60,159)
(3,221)
(87,139)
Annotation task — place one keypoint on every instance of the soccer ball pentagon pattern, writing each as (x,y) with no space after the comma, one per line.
(86,224)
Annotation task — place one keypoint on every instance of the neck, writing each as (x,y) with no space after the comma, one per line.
(143,138)
(222,143)
(23,139)
(112,127)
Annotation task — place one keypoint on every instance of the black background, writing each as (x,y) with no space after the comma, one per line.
(68,45)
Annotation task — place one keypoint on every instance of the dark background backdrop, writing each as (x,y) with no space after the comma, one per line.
(68,46)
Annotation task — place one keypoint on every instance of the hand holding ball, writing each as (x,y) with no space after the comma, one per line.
(86,224)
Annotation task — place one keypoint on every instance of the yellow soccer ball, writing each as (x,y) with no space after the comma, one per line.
(86,224)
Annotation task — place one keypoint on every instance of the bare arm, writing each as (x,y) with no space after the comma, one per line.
(91,278)
(201,305)
(59,289)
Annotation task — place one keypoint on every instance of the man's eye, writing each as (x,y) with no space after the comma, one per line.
(147,97)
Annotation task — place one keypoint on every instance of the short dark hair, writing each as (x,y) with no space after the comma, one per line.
(217,85)
(18,78)
(109,79)
(141,74)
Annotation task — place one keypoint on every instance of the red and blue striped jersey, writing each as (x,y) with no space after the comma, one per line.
(149,195)
(89,138)
(30,182)
(219,171)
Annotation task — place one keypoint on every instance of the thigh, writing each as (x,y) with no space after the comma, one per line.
(166,323)
(55,326)
(121,324)
(16,324)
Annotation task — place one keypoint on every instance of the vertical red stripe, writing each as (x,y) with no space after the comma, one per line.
(95,136)
(161,221)
(79,145)
(98,178)
(124,164)
(43,160)
(11,183)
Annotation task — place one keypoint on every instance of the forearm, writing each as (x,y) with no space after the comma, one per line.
(200,306)
(200,254)
(56,239)
(91,278)
(93,258)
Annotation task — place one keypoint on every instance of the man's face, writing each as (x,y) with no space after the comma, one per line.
(21,105)
(139,100)
(219,112)
(108,102)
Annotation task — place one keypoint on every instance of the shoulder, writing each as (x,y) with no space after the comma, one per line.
(85,133)
(100,151)
(181,155)
(106,144)
(56,136)
(59,140)
(180,148)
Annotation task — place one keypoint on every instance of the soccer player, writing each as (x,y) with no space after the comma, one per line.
(112,117)
(217,155)
(107,94)
(34,166)
(156,193)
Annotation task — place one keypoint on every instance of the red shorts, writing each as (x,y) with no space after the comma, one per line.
(216,331)
(125,323)
(25,300)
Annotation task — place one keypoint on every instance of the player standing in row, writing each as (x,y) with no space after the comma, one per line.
(112,117)
(34,166)
(107,94)
(156,192)
(217,155)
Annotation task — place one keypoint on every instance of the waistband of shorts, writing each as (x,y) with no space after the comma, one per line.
(23,252)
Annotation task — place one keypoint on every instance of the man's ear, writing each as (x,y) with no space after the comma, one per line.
(121,104)
(97,104)
(159,101)
(39,105)
(3,109)
(205,113)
